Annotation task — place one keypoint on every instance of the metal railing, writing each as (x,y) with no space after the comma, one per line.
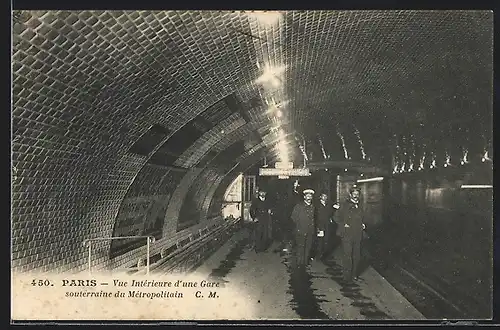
(88,243)
(167,263)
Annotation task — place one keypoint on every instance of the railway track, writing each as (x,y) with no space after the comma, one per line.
(433,297)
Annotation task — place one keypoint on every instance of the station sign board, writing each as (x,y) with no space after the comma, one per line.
(284,172)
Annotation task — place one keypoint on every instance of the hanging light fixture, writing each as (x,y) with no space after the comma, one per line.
(266,18)
(464,158)
(485,157)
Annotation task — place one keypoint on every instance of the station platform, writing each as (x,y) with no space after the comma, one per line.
(281,291)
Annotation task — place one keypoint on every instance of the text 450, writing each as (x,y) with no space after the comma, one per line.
(41,283)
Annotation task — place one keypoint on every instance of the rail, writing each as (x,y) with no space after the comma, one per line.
(88,243)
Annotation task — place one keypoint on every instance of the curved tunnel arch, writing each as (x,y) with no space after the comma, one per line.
(88,85)
(177,195)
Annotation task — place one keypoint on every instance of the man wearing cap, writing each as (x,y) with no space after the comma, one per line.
(303,220)
(324,225)
(351,227)
(293,197)
(260,213)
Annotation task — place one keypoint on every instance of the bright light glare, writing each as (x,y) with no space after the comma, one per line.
(282,147)
(464,159)
(283,151)
(279,114)
(485,157)
(270,76)
(266,18)
(284,157)
(371,179)
(476,186)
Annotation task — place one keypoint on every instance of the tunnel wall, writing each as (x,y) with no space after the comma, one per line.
(192,209)
(167,212)
(175,204)
(217,209)
(71,129)
(79,105)
(443,234)
(151,206)
(194,192)
(217,199)
(58,198)
(373,202)
(143,207)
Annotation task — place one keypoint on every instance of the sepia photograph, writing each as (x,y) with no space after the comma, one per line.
(251,165)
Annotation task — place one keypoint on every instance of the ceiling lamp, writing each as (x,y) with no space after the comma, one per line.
(266,18)
(376,179)
(283,151)
(485,157)
(433,164)
(464,158)
(271,76)
(476,186)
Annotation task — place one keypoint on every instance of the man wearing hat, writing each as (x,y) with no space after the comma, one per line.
(303,220)
(325,225)
(260,212)
(351,228)
(293,197)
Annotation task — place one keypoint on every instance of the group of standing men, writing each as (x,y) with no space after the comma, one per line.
(316,226)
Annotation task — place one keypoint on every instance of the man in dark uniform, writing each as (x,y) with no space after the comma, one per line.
(293,197)
(303,220)
(260,213)
(324,225)
(351,225)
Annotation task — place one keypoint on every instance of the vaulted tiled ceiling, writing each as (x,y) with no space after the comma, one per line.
(106,105)
(351,75)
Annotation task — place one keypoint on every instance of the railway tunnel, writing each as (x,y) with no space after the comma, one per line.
(139,139)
